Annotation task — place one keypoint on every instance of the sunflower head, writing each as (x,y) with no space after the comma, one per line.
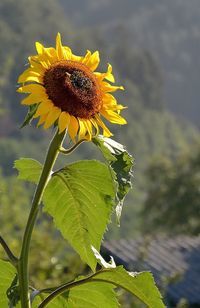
(69,93)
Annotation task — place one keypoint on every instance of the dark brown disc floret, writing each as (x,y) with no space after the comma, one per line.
(73,88)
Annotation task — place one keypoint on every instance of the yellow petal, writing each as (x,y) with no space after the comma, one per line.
(43,108)
(45,63)
(32,88)
(47,58)
(113,107)
(59,47)
(86,58)
(39,47)
(106,131)
(109,88)
(30,75)
(52,117)
(108,75)
(99,76)
(113,117)
(82,129)
(37,67)
(38,79)
(42,119)
(92,61)
(73,128)
(51,54)
(42,59)
(94,123)
(81,59)
(76,58)
(30,100)
(67,52)
(63,121)
(109,99)
(88,125)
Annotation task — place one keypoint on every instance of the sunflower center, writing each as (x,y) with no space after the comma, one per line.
(73,88)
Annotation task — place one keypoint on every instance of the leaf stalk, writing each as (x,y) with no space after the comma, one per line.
(9,253)
(70,150)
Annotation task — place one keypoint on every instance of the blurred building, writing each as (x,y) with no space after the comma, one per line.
(174,263)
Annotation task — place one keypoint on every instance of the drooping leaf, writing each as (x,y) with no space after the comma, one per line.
(107,151)
(32,110)
(141,285)
(80,198)
(29,169)
(121,162)
(7,275)
(123,169)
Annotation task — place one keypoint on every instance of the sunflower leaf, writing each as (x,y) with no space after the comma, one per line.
(141,285)
(80,198)
(89,294)
(29,169)
(97,290)
(29,116)
(121,162)
(93,295)
(8,296)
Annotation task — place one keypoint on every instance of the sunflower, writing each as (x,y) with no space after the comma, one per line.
(69,93)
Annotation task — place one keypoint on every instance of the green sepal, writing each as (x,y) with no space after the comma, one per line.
(29,116)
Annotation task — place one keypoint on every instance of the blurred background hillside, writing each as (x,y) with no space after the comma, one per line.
(154,47)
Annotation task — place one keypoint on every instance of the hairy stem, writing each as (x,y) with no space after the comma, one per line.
(51,156)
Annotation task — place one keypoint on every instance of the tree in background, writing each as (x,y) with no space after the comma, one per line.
(172,202)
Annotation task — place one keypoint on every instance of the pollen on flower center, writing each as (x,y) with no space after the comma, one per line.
(73,88)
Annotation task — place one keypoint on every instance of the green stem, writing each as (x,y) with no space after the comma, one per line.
(69,151)
(51,156)
(9,253)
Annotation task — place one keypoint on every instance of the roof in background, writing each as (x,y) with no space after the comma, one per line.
(177,258)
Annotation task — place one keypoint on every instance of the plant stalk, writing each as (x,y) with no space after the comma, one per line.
(23,272)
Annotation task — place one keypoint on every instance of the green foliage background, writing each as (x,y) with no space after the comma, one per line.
(139,62)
